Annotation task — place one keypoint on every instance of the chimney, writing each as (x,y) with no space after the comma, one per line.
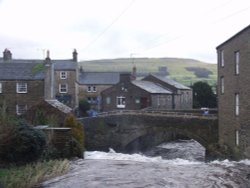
(133,76)
(49,78)
(7,55)
(125,77)
(75,55)
(47,59)
(81,69)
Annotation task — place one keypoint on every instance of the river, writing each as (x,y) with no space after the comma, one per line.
(178,164)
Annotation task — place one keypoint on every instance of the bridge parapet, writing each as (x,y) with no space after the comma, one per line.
(159,112)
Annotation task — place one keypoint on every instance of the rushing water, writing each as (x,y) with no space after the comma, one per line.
(177,164)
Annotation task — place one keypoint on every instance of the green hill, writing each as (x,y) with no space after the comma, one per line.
(186,71)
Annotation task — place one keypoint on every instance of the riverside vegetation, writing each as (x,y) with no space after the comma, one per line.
(26,157)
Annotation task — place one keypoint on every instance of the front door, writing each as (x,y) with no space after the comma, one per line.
(144,102)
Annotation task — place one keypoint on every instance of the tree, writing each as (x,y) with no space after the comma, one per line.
(77,134)
(203,95)
(84,106)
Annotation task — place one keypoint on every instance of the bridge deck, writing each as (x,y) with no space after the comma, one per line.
(158,113)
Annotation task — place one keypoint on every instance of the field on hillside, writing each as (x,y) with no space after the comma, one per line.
(176,68)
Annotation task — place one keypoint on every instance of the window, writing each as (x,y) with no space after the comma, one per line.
(237,138)
(63,75)
(221,56)
(21,88)
(222,87)
(237,104)
(1,88)
(63,88)
(121,102)
(91,89)
(237,62)
(21,109)
(92,100)
(108,100)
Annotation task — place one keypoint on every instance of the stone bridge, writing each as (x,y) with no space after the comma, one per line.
(129,131)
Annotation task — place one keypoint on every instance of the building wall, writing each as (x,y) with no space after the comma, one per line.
(182,98)
(160,101)
(69,98)
(132,96)
(11,98)
(229,122)
(84,94)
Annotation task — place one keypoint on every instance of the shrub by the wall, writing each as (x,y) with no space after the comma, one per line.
(21,143)
(77,134)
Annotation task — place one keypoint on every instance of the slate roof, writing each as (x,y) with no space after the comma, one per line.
(173,83)
(99,78)
(21,61)
(64,64)
(151,87)
(20,71)
(60,106)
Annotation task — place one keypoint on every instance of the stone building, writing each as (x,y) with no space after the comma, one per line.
(182,96)
(131,94)
(91,84)
(20,86)
(234,94)
(25,82)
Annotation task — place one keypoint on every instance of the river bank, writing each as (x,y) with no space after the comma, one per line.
(31,174)
(170,165)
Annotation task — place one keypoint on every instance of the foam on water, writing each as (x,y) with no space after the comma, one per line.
(112,155)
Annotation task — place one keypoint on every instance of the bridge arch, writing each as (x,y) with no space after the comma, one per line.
(119,131)
(154,137)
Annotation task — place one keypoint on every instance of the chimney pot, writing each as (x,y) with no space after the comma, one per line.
(7,55)
(75,55)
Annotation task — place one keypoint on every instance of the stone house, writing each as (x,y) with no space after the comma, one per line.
(25,82)
(65,80)
(47,111)
(20,85)
(131,94)
(91,84)
(234,93)
(182,96)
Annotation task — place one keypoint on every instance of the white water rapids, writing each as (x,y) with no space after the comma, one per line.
(172,165)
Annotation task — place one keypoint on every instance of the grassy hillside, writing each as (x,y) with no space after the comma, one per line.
(186,71)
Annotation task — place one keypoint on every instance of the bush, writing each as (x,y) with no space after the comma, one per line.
(21,143)
(84,106)
(77,134)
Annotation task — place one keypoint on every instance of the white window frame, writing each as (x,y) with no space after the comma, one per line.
(21,87)
(222,61)
(237,62)
(21,109)
(121,102)
(222,84)
(1,87)
(63,88)
(237,104)
(63,75)
(91,89)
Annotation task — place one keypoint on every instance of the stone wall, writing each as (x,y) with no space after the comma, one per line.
(124,132)
(229,122)
(72,87)
(12,98)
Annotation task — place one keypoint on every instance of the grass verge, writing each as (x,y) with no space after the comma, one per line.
(31,174)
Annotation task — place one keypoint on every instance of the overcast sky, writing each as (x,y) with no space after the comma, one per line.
(120,28)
